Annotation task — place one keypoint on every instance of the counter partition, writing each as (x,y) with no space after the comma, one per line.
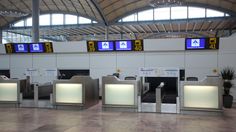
(205,95)
(118,93)
(79,91)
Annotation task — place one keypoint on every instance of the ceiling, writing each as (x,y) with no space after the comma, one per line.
(107,12)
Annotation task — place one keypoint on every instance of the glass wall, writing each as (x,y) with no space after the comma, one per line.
(55,19)
(173,13)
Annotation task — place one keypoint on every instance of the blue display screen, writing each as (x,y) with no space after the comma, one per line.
(105,46)
(21,48)
(195,43)
(123,45)
(36,48)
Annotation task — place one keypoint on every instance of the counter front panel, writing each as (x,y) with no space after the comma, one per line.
(8,92)
(68,93)
(119,94)
(201,96)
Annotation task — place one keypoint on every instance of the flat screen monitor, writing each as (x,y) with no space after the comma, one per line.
(123,45)
(21,48)
(36,48)
(105,46)
(195,43)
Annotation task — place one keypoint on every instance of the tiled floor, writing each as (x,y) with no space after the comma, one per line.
(96,120)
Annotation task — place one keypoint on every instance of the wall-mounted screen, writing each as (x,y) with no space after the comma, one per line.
(105,46)
(123,45)
(198,43)
(115,45)
(36,48)
(21,48)
(42,47)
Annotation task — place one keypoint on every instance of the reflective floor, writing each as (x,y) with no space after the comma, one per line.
(96,120)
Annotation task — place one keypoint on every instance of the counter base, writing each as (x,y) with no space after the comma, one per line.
(202,112)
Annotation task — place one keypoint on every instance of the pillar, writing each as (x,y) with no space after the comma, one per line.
(35,21)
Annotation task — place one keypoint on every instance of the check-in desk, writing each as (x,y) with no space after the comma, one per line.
(81,91)
(9,92)
(119,94)
(202,96)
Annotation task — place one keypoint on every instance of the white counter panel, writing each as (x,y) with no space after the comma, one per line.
(119,94)
(8,91)
(68,93)
(201,96)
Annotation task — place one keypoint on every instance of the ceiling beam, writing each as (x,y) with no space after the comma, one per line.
(46,4)
(82,7)
(91,9)
(149,28)
(194,26)
(26,5)
(134,28)
(55,4)
(140,26)
(73,5)
(171,27)
(96,5)
(163,26)
(12,3)
(156,28)
(179,27)
(186,29)
(67,9)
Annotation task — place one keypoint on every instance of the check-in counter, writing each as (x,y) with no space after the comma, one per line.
(81,91)
(9,91)
(118,93)
(204,96)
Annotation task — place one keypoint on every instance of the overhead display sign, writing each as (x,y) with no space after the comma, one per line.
(202,43)
(44,47)
(105,45)
(36,48)
(115,45)
(124,45)
(21,48)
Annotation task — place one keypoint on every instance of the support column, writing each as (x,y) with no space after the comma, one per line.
(0,36)
(121,33)
(35,21)
(106,33)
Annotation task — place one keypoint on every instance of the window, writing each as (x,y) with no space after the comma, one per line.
(44,20)
(130,18)
(145,15)
(29,22)
(214,13)
(19,24)
(162,13)
(196,12)
(178,12)
(71,19)
(57,19)
(83,20)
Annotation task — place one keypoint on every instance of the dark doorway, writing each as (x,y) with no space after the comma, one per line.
(168,93)
(68,73)
(5,72)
